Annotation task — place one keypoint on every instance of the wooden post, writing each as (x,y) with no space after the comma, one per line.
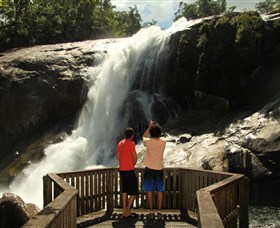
(243,203)
(109,191)
(208,215)
(47,190)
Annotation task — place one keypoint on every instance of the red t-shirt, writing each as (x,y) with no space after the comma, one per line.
(126,149)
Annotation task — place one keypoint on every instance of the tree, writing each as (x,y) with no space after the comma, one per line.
(205,8)
(134,19)
(12,11)
(202,8)
(268,6)
(128,22)
(12,23)
(29,22)
(149,23)
(189,11)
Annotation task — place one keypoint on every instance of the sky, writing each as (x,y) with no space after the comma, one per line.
(163,11)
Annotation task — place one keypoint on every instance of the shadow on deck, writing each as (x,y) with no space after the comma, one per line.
(171,218)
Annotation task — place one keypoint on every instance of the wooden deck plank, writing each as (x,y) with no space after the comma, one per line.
(171,218)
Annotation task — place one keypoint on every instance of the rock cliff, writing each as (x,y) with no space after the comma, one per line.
(40,87)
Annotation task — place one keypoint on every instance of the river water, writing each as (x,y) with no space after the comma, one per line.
(260,216)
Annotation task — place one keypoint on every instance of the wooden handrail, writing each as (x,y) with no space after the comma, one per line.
(219,198)
(209,207)
(60,212)
(219,186)
(208,215)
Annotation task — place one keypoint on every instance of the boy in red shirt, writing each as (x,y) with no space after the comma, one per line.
(126,154)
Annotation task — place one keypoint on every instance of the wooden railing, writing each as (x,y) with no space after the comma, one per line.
(219,197)
(61,209)
(221,204)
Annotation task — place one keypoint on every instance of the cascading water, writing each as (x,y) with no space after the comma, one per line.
(135,60)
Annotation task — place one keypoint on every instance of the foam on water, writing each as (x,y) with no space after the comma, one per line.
(260,216)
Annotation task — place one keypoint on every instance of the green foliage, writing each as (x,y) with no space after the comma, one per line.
(276,24)
(27,22)
(268,6)
(189,11)
(128,23)
(248,26)
(180,79)
(202,8)
(223,44)
(149,23)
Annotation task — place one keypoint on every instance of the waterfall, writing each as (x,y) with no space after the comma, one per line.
(128,74)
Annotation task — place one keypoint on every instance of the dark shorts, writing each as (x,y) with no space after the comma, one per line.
(153,180)
(129,182)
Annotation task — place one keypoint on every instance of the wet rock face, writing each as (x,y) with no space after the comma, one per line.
(40,86)
(14,212)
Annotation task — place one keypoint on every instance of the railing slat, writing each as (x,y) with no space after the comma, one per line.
(174,190)
(79,199)
(116,187)
(91,193)
(137,198)
(95,192)
(168,180)
(82,192)
(142,193)
(103,183)
(87,194)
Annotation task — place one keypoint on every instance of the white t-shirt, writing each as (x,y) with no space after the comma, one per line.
(154,155)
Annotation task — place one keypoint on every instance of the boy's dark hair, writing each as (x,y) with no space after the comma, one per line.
(155,131)
(129,132)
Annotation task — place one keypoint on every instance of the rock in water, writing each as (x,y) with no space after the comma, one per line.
(14,212)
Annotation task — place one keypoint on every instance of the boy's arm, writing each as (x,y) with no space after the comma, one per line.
(118,155)
(146,133)
(134,157)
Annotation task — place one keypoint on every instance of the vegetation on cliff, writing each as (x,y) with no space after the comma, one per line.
(225,57)
(31,22)
(25,23)
(203,8)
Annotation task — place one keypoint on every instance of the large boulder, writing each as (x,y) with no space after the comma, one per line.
(14,212)
(248,144)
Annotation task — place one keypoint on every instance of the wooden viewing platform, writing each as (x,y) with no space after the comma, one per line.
(192,198)
(171,218)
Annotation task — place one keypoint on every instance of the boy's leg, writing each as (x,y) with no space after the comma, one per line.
(124,203)
(160,200)
(151,213)
(130,202)
(150,200)
(160,188)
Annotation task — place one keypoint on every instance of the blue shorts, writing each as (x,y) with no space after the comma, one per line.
(153,180)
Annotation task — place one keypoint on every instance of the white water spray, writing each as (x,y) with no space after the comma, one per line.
(93,142)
